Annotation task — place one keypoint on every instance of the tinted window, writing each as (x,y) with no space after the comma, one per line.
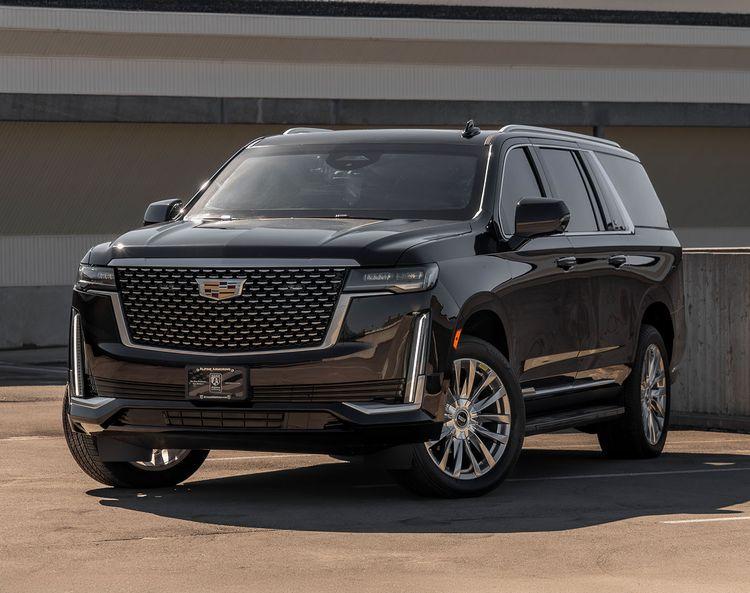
(568,185)
(519,181)
(635,190)
(358,181)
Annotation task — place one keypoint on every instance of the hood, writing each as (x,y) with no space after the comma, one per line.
(368,242)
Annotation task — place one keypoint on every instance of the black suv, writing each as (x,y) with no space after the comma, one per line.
(423,297)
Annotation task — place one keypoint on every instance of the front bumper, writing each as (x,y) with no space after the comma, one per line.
(337,427)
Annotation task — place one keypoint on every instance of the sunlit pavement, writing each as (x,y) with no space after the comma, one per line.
(568,520)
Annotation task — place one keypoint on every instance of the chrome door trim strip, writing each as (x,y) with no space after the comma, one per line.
(530,393)
(538,361)
(334,329)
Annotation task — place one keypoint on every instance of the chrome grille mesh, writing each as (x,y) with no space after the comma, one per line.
(279,308)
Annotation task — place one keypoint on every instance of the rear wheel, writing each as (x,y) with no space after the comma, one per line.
(166,467)
(483,431)
(642,431)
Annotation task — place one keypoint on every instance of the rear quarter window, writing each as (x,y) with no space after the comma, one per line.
(635,190)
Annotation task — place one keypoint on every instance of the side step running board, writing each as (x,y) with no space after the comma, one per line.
(571,418)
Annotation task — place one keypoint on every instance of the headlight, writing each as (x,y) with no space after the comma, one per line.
(99,277)
(392,279)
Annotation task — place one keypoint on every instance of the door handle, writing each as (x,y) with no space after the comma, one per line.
(617,261)
(566,263)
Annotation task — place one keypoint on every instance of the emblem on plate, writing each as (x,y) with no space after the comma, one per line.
(220,289)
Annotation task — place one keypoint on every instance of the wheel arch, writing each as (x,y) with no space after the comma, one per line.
(658,315)
(482,317)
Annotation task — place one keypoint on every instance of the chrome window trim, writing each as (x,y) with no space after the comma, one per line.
(334,329)
(497,211)
(560,134)
(484,183)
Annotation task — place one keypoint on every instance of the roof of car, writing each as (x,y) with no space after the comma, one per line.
(315,136)
(298,136)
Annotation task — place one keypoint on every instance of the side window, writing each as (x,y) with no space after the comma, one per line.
(519,181)
(635,190)
(564,173)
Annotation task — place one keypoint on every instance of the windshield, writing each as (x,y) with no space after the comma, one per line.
(351,181)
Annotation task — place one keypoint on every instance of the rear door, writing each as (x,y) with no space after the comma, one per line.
(610,255)
(625,258)
(543,297)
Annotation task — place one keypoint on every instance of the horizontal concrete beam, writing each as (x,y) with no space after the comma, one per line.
(457,10)
(150,109)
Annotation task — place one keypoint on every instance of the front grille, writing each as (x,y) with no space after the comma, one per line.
(201,418)
(139,389)
(388,391)
(369,391)
(196,419)
(279,308)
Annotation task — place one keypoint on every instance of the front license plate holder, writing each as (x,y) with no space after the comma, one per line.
(216,383)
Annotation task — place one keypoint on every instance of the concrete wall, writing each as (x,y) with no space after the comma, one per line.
(713,389)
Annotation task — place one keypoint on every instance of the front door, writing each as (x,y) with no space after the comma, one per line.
(546,298)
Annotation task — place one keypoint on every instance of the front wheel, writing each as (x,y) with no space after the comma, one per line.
(483,431)
(166,467)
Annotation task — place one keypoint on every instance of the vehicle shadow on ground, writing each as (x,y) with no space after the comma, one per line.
(545,494)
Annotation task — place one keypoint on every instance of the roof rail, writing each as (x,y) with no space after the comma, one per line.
(291,131)
(554,132)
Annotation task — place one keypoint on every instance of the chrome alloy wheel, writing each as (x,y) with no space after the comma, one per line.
(477,426)
(653,394)
(162,459)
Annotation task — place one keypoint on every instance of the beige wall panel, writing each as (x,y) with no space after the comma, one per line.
(62,179)
(701,175)
(67,178)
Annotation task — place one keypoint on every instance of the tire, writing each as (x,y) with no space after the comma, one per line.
(126,474)
(485,460)
(630,437)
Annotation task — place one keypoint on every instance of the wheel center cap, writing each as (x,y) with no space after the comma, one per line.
(462,418)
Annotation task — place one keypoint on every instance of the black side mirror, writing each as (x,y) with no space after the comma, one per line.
(161,211)
(541,216)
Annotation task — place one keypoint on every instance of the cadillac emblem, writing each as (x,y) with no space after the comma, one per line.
(220,289)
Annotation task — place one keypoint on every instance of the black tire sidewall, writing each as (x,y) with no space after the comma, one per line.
(123,474)
(633,414)
(442,484)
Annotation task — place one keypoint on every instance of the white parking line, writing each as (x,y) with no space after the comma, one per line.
(670,445)
(30,438)
(711,520)
(631,474)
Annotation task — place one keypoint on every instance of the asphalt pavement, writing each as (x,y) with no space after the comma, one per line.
(567,521)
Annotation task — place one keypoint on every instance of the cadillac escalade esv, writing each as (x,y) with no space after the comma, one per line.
(423,297)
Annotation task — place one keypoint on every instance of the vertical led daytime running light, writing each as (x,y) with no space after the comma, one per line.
(415,377)
(77,353)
